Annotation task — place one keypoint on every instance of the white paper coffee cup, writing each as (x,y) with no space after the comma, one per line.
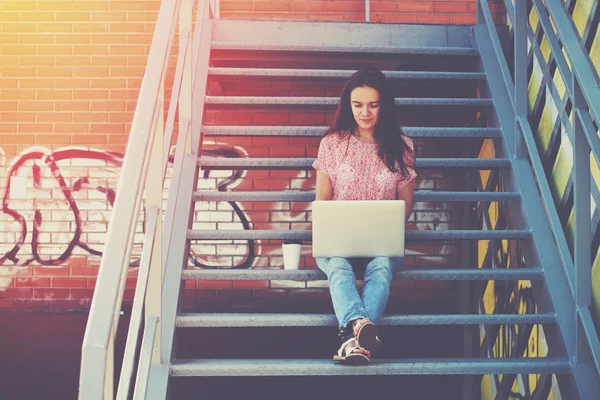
(291,255)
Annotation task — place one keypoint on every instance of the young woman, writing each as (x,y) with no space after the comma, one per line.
(363,156)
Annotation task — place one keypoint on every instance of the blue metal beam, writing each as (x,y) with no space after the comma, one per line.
(313,367)
(309,196)
(510,10)
(446,274)
(207,162)
(335,74)
(318,131)
(373,49)
(234,320)
(587,324)
(547,202)
(333,101)
(583,223)
(274,234)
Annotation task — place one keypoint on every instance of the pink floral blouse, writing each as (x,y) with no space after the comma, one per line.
(361,174)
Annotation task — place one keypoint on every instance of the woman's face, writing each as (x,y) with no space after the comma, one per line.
(364,101)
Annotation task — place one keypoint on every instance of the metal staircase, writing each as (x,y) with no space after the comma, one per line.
(430,60)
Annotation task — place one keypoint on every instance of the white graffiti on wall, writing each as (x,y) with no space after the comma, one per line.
(56,206)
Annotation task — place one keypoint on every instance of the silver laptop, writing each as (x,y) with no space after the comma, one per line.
(357,228)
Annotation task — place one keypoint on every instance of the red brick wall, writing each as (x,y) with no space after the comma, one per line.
(405,11)
(71,71)
(70,76)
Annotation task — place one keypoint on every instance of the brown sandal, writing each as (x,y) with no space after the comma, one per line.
(366,333)
(347,355)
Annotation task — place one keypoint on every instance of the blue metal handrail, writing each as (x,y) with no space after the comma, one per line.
(581,82)
(521,144)
(582,88)
(580,60)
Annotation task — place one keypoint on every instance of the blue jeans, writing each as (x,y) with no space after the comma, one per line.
(347,303)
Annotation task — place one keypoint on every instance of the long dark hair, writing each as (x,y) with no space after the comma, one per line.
(387,133)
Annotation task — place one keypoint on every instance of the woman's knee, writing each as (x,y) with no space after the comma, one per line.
(382,267)
(334,265)
(339,264)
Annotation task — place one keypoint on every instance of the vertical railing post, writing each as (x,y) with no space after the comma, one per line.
(583,227)
(520,71)
(109,380)
(367,10)
(154,199)
(185,97)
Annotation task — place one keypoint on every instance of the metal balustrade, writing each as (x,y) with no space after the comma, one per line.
(568,278)
(581,83)
(144,169)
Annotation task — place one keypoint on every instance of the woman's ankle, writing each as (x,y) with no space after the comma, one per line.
(345,334)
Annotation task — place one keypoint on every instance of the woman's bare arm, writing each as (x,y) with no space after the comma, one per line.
(407,194)
(324,189)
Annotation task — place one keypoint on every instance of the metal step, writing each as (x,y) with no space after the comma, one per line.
(462,274)
(309,196)
(236,320)
(307,234)
(318,131)
(335,74)
(319,367)
(306,163)
(274,47)
(333,101)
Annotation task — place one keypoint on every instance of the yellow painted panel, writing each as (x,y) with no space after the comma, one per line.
(499,345)
(545,48)
(544,131)
(560,174)
(559,83)
(533,344)
(493,212)
(482,246)
(534,86)
(570,228)
(571,115)
(595,51)
(595,170)
(486,388)
(533,338)
(484,175)
(533,379)
(542,344)
(523,304)
(581,14)
(487,151)
(516,388)
(596,289)
(534,20)
(489,298)
(567,59)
